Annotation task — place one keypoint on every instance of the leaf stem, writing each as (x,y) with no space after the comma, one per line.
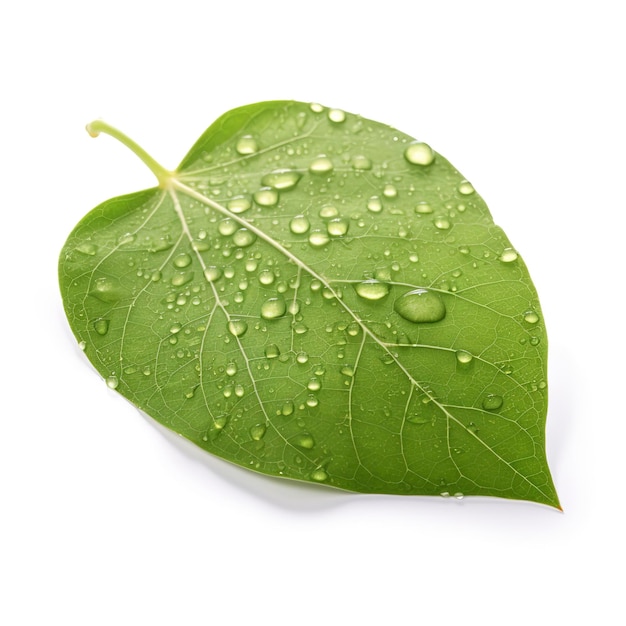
(163,176)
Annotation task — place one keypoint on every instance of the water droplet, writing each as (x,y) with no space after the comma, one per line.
(442,222)
(458,495)
(273,308)
(316,107)
(156,276)
(266,277)
(125,239)
(82,345)
(240,204)
(390,191)
(423,208)
(281,179)
(319,475)
(445,494)
(272,351)
(534,341)
(257,432)
(227,227)
(299,225)
(304,440)
(243,238)
(361,162)
(314,384)
(237,327)
(318,238)
(181,278)
(347,370)
(374,204)
(87,248)
(372,289)
(175,328)
(106,290)
(531,317)
(419,153)
(112,382)
(212,273)
(302,358)
(312,401)
(492,402)
(420,305)
(338,227)
(466,188)
(266,196)
(328,212)
(231,369)
(321,165)
(247,145)
(287,408)
(508,255)
(182,260)
(101,326)
(336,115)
(463,357)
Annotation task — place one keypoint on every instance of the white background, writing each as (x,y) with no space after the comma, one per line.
(106,518)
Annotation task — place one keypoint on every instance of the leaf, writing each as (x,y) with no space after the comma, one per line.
(318,296)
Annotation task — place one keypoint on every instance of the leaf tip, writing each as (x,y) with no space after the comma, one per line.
(90,128)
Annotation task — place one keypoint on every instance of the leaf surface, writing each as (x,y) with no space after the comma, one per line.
(319,296)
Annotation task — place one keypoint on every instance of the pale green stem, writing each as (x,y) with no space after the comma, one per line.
(163,176)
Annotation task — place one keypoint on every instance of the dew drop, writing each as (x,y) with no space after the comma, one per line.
(328,212)
(175,328)
(312,401)
(374,204)
(156,276)
(244,238)
(273,308)
(321,165)
(287,408)
(112,382)
(419,153)
(361,162)
(182,260)
(257,432)
(302,358)
(266,196)
(304,441)
(237,328)
(466,188)
(101,326)
(247,145)
(240,204)
(347,370)
(227,227)
(316,107)
(299,225)
(459,496)
(314,384)
(463,357)
(336,115)
(423,208)
(390,191)
(508,255)
(338,227)
(492,402)
(266,277)
(281,179)
(420,305)
(82,345)
(272,351)
(531,317)
(442,222)
(318,238)
(319,475)
(372,289)
(212,273)
(231,369)
(87,248)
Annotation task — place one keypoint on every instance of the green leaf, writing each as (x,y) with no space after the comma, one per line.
(318,296)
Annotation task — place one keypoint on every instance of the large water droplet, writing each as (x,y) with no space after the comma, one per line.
(304,440)
(112,382)
(101,326)
(466,188)
(257,432)
(87,248)
(321,165)
(266,277)
(318,238)
(531,317)
(299,225)
(181,278)
(287,408)
(463,357)
(419,153)
(247,145)
(281,179)
(273,308)
(272,351)
(266,196)
(182,260)
(372,289)
(319,475)
(227,227)
(423,208)
(361,162)
(374,204)
(338,227)
(244,238)
(237,327)
(107,290)
(442,222)
(240,204)
(508,255)
(336,115)
(492,402)
(329,211)
(212,273)
(420,305)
